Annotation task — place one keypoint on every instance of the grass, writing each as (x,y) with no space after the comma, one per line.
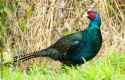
(42,25)
(110,67)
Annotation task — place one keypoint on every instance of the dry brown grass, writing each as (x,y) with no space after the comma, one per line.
(113,27)
(50,20)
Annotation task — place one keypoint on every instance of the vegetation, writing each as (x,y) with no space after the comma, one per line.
(110,67)
(25,24)
(30,25)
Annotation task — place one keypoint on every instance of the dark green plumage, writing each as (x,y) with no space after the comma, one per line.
(74,48)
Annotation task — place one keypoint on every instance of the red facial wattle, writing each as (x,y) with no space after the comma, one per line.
(91,15)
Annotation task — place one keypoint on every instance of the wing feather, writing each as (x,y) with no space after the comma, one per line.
(66,42)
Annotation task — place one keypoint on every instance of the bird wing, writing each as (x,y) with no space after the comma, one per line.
(66,42)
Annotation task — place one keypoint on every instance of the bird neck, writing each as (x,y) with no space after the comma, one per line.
(95,23)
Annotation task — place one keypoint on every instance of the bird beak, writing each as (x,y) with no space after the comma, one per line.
(84,16)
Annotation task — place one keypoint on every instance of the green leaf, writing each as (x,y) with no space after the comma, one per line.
(23,24)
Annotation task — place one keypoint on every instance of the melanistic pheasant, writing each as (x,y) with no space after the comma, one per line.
(75,48)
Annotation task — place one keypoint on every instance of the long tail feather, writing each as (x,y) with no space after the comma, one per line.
(52,53)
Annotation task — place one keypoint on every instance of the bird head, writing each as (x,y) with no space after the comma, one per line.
(94,17)
(91,14)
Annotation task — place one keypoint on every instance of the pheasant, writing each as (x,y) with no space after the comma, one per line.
(76,48)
